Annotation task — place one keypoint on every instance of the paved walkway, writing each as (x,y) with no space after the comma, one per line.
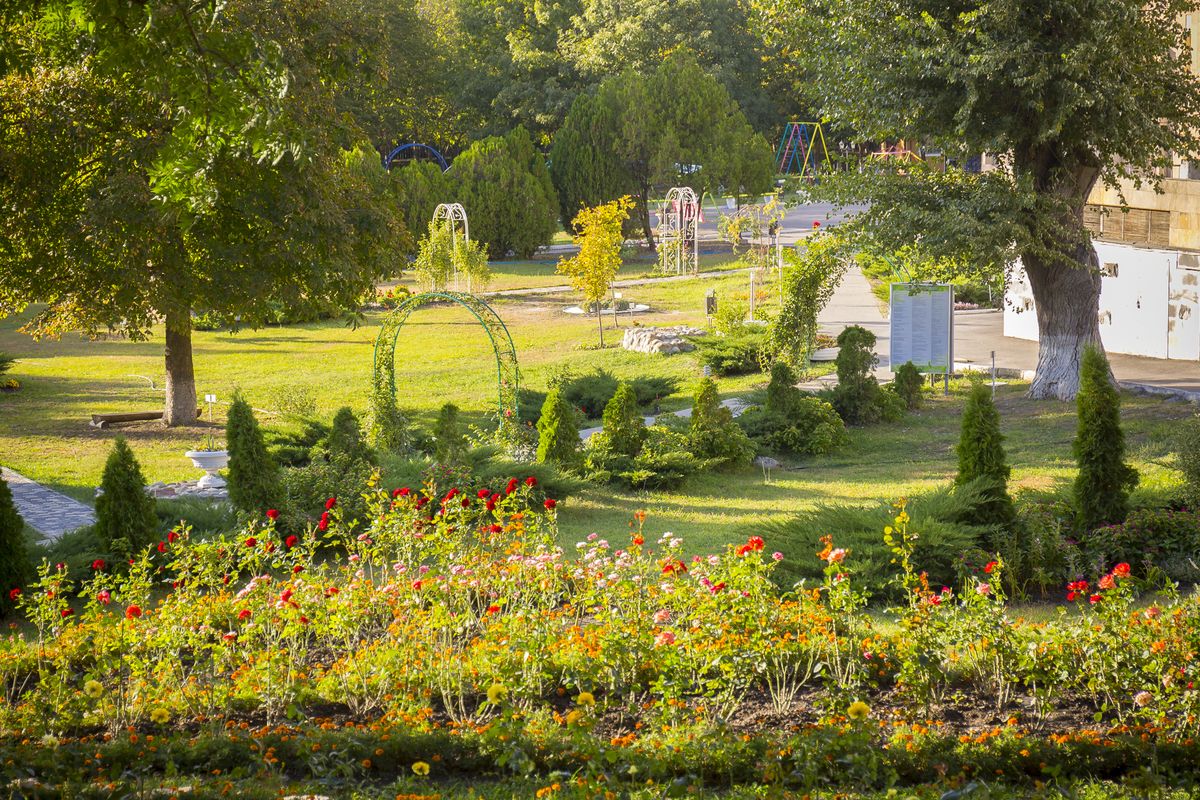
(48,512)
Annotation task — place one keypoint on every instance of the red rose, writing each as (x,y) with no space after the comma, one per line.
(66,612)
(493,609)
(172,536)
(251,542)
(98,564)
(103,596)
(512,486)
(405,492)
(482,493)
(490,505)
(133,612)
(1071,597)
(991,565)
(272,514)
(638,539)
(465,502)
(13,594)
(1094,599)
(303,620)
(162,547)
(756,543)
(296,570)
(496,528)
(244,614)
(416,585)
(550,503)
(323,524)
(330,503)
(1121,570)
(290,542)
(531,481)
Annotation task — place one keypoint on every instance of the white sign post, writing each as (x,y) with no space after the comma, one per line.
(922,322)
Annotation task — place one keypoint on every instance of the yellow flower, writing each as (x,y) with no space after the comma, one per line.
(858,710)
(160,715)
(586,699)
(574,717)
(497,692)
(420,768)
(93,689)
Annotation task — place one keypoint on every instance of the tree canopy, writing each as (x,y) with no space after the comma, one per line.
(1066,92)
(164,158)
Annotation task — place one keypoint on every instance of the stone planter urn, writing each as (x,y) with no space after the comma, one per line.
(211,461)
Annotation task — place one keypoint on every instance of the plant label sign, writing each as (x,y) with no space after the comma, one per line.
(922,321)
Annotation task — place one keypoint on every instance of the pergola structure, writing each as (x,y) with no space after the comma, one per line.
(679,231)
(456,218)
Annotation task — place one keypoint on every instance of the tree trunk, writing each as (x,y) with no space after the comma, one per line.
(1067,302)
(600,323)
(180,406)
(647,229)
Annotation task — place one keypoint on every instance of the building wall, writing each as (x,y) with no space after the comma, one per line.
(1149,302)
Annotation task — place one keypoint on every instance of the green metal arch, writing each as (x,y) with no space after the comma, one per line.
(507,370)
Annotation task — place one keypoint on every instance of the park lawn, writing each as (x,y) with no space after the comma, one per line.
(445,357)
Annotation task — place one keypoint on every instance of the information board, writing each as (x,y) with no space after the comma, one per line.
(923,326)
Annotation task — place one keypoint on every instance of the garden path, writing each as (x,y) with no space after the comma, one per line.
(48,512)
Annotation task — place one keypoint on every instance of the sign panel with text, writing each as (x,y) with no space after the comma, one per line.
(922,322)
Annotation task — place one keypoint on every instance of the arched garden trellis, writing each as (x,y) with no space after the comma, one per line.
(456,220)
(507,370)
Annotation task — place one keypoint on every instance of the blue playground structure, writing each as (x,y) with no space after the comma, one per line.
(801,150)
(392,156)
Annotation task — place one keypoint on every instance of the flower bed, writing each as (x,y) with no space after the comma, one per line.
(452,627)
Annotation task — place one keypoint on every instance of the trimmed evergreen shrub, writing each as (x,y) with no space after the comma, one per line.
(449,440)
(590,393)
(713,433)
(558,432)
(623,424)
(1102,487)
(981,457)
(253,474)
(505,186)
(1188,451)
(907,385)
(346,437)
(857,396)
(125,517)
(792,422)
(14,558)
(732,354)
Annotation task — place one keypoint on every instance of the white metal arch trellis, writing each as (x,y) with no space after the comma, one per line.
(456,218)
(680,231)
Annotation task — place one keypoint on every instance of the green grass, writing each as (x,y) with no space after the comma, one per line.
(445,357)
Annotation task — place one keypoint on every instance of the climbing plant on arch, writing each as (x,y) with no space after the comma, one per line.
(386,423)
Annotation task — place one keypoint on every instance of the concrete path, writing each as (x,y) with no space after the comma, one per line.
(854,304)
(734,404)
(48,512)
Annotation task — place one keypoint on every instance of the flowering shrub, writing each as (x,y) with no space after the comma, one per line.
(455,613)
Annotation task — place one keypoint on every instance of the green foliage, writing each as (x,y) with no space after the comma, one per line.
(624,428)
(253,474)
(1102,487)
(857,396)
(434,263)
(937,518)
(125,518)
(663,459)
(1187,451)
(6,363)
(503,183)
(713,434)
(346,438)
(305,490)
(599,237)
(592,391)
(1150,540)
(981,457)
(907,385)
(792,422)
(732,354)
(419,188)
(387,429)
(293,448)
(15,568)
(204,517)
(631,137)
(811,273)
(558,431)
(449,438)
(181,134)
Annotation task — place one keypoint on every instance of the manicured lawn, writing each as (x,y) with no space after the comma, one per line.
(444,357)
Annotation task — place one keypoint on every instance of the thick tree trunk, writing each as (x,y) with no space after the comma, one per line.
(181,380)
(1068,306)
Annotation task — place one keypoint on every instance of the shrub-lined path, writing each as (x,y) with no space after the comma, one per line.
(48,512)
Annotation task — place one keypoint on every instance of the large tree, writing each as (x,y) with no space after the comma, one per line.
(641,133)
(173,156)
(1067,92)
